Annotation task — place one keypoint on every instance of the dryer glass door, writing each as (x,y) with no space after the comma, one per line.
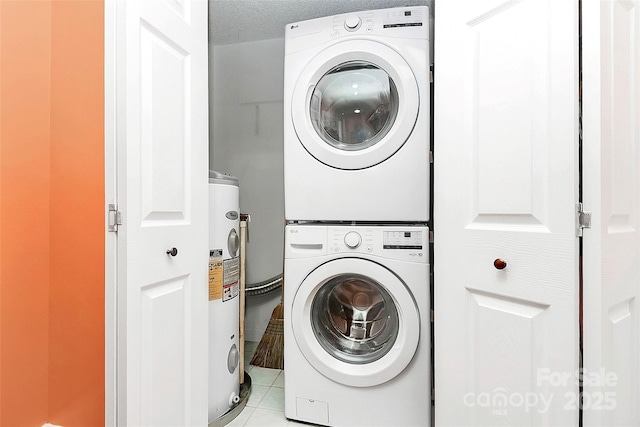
(354,105)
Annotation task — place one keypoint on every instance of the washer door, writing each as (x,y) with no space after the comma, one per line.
(355,322)
(355,104)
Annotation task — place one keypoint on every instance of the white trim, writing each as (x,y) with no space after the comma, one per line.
(591,183)
(110,182)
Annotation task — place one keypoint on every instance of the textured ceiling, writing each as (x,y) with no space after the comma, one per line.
(237,21)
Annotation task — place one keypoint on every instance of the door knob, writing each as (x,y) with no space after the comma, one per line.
(172,252)
(500,264)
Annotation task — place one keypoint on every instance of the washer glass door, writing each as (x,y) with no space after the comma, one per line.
(354,318)
(355,321)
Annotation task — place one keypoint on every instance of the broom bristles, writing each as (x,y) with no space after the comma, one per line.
(270,350)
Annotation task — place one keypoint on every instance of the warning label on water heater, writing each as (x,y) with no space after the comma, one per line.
(216,274)
(231,283)
(224,276)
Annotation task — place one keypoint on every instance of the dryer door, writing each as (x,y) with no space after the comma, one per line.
(355,104)
(356,322)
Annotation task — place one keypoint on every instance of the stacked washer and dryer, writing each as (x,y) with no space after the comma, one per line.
(357,167)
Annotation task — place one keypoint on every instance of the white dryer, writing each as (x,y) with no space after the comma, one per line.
(357,325)
(357,115)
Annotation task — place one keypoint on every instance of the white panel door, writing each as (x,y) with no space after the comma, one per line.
(162,127)
(506,188)
(611,176)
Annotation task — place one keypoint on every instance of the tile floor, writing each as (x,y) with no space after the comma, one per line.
(265,407)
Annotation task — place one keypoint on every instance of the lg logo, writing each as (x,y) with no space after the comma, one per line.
(293,27)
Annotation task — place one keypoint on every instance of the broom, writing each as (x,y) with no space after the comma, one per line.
(270,350)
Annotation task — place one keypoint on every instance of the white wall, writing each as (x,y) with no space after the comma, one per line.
(246,87)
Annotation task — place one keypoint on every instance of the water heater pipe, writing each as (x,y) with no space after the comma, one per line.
(243,245)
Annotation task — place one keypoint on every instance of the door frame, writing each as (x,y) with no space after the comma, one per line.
(115,302)
(111,246)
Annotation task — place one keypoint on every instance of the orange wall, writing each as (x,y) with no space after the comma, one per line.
(76,292)
(51,213)
(24,211)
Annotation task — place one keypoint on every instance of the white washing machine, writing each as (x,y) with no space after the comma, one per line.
(224,307)
(357,325)
(356,111)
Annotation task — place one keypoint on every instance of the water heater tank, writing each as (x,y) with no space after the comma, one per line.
(224,286)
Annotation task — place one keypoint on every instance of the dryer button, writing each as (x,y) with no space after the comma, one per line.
(352,23)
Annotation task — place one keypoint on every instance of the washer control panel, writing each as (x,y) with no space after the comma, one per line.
(402,239)
(401,242)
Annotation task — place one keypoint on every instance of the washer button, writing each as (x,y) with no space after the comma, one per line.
(352,239)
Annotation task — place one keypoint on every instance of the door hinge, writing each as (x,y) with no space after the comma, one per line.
(583,219)
(115,218)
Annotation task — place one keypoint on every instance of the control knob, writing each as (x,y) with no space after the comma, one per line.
(352,239)
(352,23)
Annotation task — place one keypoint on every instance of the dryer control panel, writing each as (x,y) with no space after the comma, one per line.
(374,22)
(411,22)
